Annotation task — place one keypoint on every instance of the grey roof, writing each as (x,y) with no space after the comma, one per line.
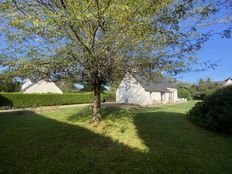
(157,86)
(24,89)
(230,78)
(224,81)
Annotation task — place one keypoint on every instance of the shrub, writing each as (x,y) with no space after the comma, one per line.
(184,94)
(215,112)
(20,100)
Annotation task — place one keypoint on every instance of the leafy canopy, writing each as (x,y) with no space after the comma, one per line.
(97,41)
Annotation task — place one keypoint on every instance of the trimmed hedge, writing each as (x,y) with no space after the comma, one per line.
(215,112)
(21,100)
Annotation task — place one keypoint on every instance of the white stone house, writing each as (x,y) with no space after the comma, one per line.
(42,86)
(138,90)
(227,82)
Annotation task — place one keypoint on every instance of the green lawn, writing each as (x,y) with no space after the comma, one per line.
(132,140)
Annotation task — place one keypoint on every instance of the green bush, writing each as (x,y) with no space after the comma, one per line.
(215,112)
(184,94)
(20,100)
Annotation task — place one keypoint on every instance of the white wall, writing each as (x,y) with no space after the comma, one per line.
(228,83)
(165,97)
(43,87)
(174,95)
(156,97)
(130,91)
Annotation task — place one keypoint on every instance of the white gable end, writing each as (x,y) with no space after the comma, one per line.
(43,87)
(130,91)
(228,82)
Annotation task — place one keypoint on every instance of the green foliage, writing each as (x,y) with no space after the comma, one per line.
(214,113)
(197,91)
(205,88)
(67,85)
(20,100)
(98,41)
(185,90)
(9,84)
(184,94)
(88,87)
(108,96)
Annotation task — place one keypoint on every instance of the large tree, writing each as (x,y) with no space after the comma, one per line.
(97,41)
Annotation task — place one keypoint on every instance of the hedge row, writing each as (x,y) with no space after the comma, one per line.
(20,100)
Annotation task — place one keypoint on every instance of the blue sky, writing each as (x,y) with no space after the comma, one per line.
(219,50)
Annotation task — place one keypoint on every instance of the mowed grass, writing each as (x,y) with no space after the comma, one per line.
(129,140)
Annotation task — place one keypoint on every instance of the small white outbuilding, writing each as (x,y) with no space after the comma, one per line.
(42,86)
(138,90)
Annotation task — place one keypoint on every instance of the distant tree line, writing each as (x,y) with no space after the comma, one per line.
(197,91)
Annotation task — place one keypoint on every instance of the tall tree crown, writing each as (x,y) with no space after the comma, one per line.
(97,41)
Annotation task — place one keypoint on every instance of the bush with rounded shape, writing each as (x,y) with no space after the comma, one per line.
(215,112)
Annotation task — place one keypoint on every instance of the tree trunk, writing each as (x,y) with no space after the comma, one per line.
(97,104)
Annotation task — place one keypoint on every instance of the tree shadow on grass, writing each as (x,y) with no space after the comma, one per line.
(109,112)
(32,143)
(122,112)
(84,114)
(178,146)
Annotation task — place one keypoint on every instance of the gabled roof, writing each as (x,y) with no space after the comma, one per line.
(230,78)
(227,82)
(27,84)
(224,81)
(27,87)
(159,86)
(32,83)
